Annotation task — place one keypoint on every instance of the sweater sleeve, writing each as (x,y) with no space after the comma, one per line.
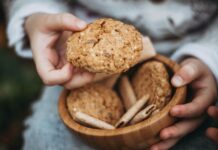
(205,49)
(17,11)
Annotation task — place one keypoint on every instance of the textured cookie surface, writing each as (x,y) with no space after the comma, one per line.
(152,78)
(97,101)
(106,46)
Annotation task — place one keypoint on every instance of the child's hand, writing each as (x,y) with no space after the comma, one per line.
(199,77)
(44,32)
(212,133)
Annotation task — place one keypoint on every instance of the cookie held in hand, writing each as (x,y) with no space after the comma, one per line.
(152,78)
(97,101)
(105,46)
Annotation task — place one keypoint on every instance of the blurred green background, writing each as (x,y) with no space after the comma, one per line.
(19,87)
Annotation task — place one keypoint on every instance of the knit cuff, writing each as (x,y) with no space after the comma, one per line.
(15,29)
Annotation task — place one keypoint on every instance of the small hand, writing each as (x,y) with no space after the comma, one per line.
(199,77)
(44,32)
(212,133)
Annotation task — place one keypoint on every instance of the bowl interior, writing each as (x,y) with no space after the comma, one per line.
(177,98)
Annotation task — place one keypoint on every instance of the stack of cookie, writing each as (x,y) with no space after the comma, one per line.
(99,106)
(112,47)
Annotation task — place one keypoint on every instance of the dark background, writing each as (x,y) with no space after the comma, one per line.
(19,87)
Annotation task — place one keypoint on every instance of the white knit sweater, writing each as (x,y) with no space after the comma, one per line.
(178,28)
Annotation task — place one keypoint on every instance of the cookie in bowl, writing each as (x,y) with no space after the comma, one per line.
(97,101)
(152,78)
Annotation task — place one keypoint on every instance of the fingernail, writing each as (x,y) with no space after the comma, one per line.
(177,81)
(175,111)
(154,148)
(81,24)
(190,69)
(166,136)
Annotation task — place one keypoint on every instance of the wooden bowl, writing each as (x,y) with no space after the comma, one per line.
(134,137)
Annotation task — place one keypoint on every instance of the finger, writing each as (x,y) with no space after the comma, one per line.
(212,133)
(188,73)
(196,107)
(213,112)
(78,80)
(50,75)
(64,21)
(181,128)
(164,145)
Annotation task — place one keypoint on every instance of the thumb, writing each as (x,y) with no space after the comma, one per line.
(64,21)
(189,71)
(213,112)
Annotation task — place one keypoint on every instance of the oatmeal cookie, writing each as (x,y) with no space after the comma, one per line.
(152,78)
(105,46)
(97,101)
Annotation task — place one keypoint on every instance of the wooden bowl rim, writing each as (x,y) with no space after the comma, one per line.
(68,120)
